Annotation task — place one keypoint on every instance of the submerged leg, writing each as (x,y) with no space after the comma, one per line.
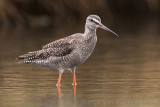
(74,76)
(59,90)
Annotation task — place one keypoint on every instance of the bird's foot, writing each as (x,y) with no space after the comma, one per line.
(74,83)
(58,85)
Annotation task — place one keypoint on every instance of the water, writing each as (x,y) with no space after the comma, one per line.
(122,72)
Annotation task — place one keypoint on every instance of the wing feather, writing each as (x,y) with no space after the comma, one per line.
(57,49)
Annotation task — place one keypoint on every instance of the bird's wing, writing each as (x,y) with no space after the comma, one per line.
(57,44)
(57,49)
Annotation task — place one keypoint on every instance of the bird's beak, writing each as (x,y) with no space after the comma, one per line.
(107,29)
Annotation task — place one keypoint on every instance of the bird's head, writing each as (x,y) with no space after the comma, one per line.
(94,22)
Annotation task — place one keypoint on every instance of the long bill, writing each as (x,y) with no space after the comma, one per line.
(107,29)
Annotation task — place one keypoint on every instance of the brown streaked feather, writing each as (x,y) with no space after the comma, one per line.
(59,48)
(56,44)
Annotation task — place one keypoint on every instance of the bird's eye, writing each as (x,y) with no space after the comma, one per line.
(91,20)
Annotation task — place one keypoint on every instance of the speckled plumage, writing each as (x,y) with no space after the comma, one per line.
(64,54)
(68,52)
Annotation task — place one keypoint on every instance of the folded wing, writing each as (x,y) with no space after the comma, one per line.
(56,49)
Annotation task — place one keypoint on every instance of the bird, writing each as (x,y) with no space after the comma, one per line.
(69,52)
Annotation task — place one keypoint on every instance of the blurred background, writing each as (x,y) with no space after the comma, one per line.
(125,15)
(122,72)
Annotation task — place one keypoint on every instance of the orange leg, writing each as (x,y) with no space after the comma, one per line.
(74,90)
(74,78)
(59,90)
(59,79)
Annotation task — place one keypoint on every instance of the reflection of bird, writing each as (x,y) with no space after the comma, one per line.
(68,52)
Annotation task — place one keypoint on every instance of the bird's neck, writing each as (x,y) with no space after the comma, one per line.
(89,32)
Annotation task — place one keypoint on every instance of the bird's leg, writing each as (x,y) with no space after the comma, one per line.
(59,79)
(74,76)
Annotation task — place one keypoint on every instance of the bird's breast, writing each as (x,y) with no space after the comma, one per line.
(87,47)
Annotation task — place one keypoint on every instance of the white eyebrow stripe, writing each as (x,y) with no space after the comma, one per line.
(96,20)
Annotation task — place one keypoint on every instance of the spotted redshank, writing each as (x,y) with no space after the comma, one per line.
(69,52)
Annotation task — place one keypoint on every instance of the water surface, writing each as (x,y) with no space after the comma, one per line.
(122,72)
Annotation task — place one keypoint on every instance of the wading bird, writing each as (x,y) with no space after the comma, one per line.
(69,52)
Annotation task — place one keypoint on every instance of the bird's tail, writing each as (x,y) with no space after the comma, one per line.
(28,58)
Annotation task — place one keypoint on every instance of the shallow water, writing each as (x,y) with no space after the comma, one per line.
(122,72)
